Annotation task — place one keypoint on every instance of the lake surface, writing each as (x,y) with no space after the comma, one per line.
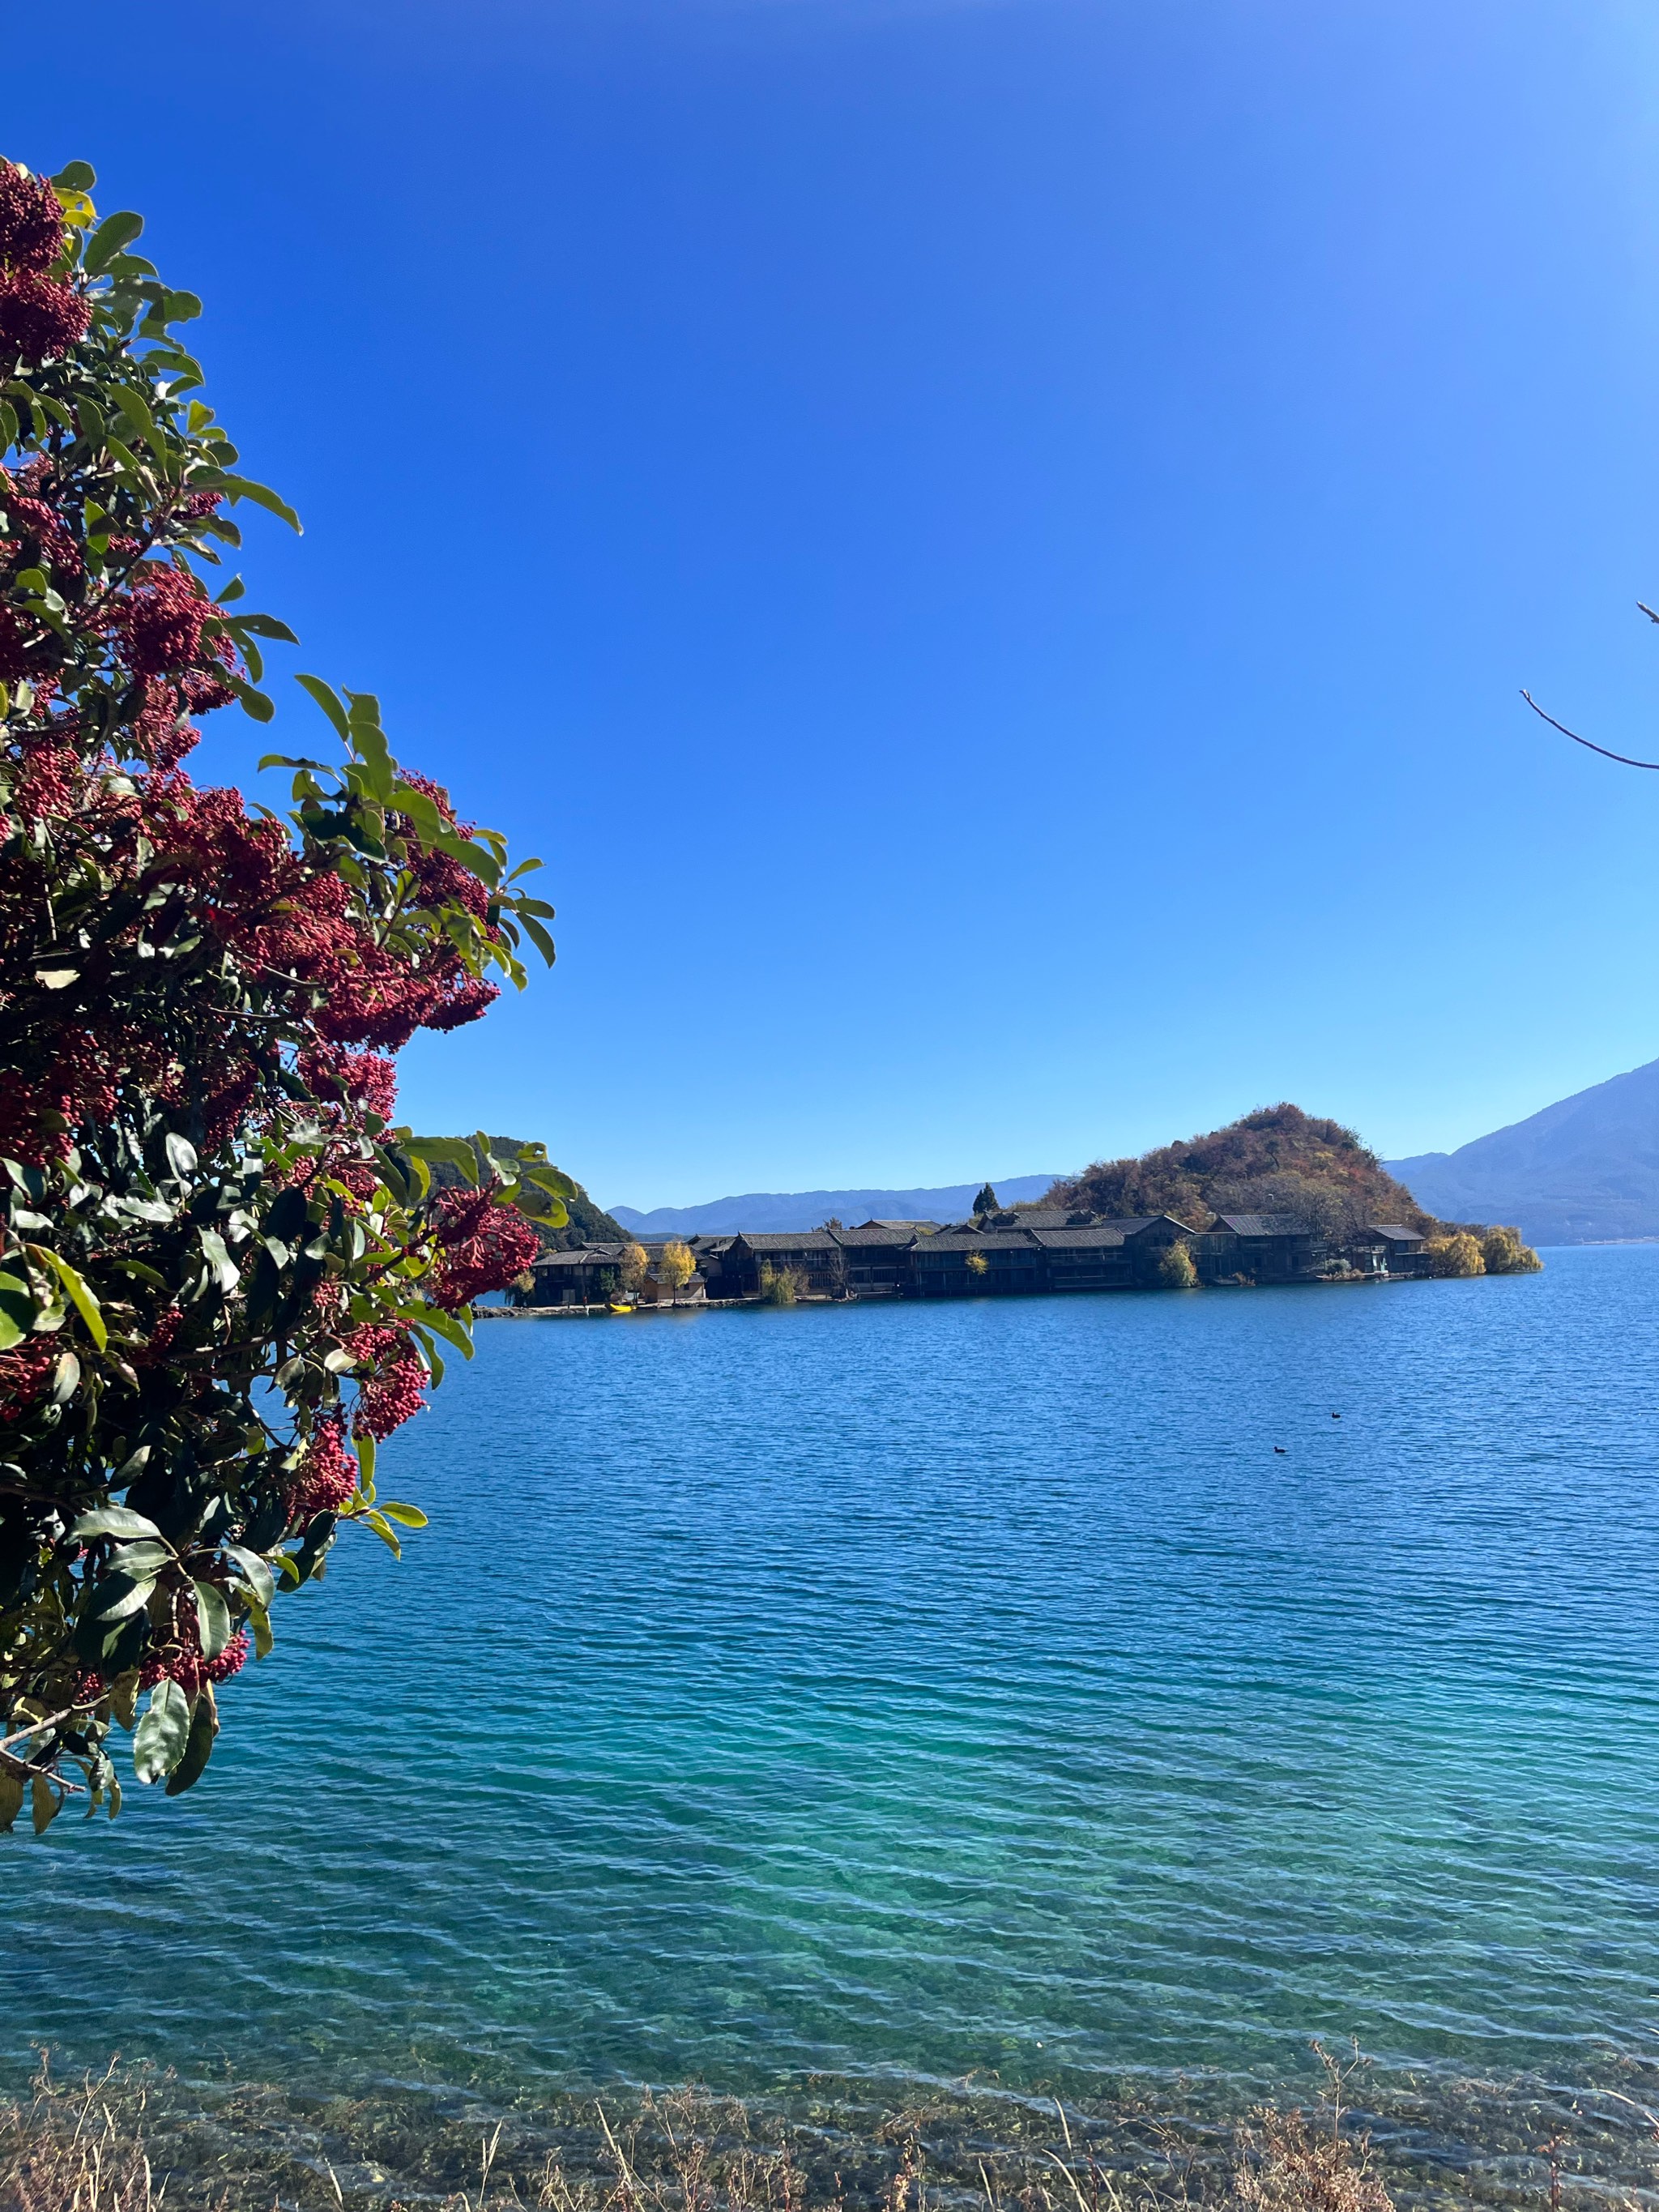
(914,1692)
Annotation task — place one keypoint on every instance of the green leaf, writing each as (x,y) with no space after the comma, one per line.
(159,1740)
(410,1517)
(198,1745)
(365,1447)
(226,1273)
(368,741)
(85,1304)
(111,235)
(11,1797)
(145,1558)
(77,177)
(124,1697)
(383,1530)
(538,937)
(256,1575)
(134,413)
(263,1641)
(113,1520)
(118,1596)
(445,1325)
(262,495)
(259,704)
(332,704)
(16,1311)
(452,1151)
(181,1155)
(265,626)
(46,1803)
(214,1614)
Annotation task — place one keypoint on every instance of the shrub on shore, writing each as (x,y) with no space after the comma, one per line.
(1506,1255)
(1457,1252)
(1176,1270)
(779,1286)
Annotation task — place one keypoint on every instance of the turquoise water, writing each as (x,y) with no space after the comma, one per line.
(921,1691)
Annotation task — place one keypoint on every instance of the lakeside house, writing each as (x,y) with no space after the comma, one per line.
(1014,1253)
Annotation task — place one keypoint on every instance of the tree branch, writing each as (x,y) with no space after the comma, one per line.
(1623,759)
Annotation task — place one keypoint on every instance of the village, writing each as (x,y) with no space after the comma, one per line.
(1018,1252)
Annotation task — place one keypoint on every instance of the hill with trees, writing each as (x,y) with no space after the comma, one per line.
(1276,1160)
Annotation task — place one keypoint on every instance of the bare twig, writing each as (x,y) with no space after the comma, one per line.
(1623,759)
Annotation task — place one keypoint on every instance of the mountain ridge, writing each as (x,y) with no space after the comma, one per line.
(1582,1170)
(809,1209)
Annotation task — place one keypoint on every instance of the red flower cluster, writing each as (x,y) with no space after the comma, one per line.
(328,1473)
(394,1391)
(484,1246)
(182,1660)
(363,1078)
(30,220)
(24,1373)
(161,620)
(40,315)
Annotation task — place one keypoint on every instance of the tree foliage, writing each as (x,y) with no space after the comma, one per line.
(675,1265)
(225,1275)
(1504,1254)
(1456,1253)
(1175,1269)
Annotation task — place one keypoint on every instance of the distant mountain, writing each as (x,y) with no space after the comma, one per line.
(1583,1169)
(806,1209)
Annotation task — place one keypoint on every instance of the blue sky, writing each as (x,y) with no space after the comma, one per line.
(991,548)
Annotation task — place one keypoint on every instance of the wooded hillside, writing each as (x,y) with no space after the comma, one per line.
(1276,1160)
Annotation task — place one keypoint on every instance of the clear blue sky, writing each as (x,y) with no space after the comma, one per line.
(990,547)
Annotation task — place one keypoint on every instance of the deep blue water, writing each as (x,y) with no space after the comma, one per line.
(917,1690)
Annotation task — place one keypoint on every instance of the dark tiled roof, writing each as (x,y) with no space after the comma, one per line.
(1103,1236)
(920,1227)
(584,1255)
(976,1240)
(876,1234)
(1393,1228)
(801,1240)
(1262,1225)
(1041,1217)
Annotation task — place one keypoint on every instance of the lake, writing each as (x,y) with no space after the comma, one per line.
(904,1692)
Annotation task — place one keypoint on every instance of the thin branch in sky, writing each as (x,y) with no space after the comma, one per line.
(1623,759)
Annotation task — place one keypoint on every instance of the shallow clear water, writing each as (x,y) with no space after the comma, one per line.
(917,1691)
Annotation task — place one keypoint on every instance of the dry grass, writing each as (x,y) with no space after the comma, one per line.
(135,2141)
(76,2149)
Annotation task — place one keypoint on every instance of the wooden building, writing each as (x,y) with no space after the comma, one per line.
(876,1258)
(589,1276)
(812,1254)
(1258,1248)
(1405,1251)
(1108,1255)
(976,1263)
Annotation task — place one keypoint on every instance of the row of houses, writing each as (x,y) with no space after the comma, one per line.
(1013,1254)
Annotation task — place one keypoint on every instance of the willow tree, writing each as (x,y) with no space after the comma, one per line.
(225,1275)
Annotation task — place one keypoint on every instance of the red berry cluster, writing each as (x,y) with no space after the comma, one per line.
(483,1245)
(328,1473)
(40,315)
(394,1389)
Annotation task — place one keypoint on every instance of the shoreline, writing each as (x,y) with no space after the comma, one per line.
(1428,2139)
